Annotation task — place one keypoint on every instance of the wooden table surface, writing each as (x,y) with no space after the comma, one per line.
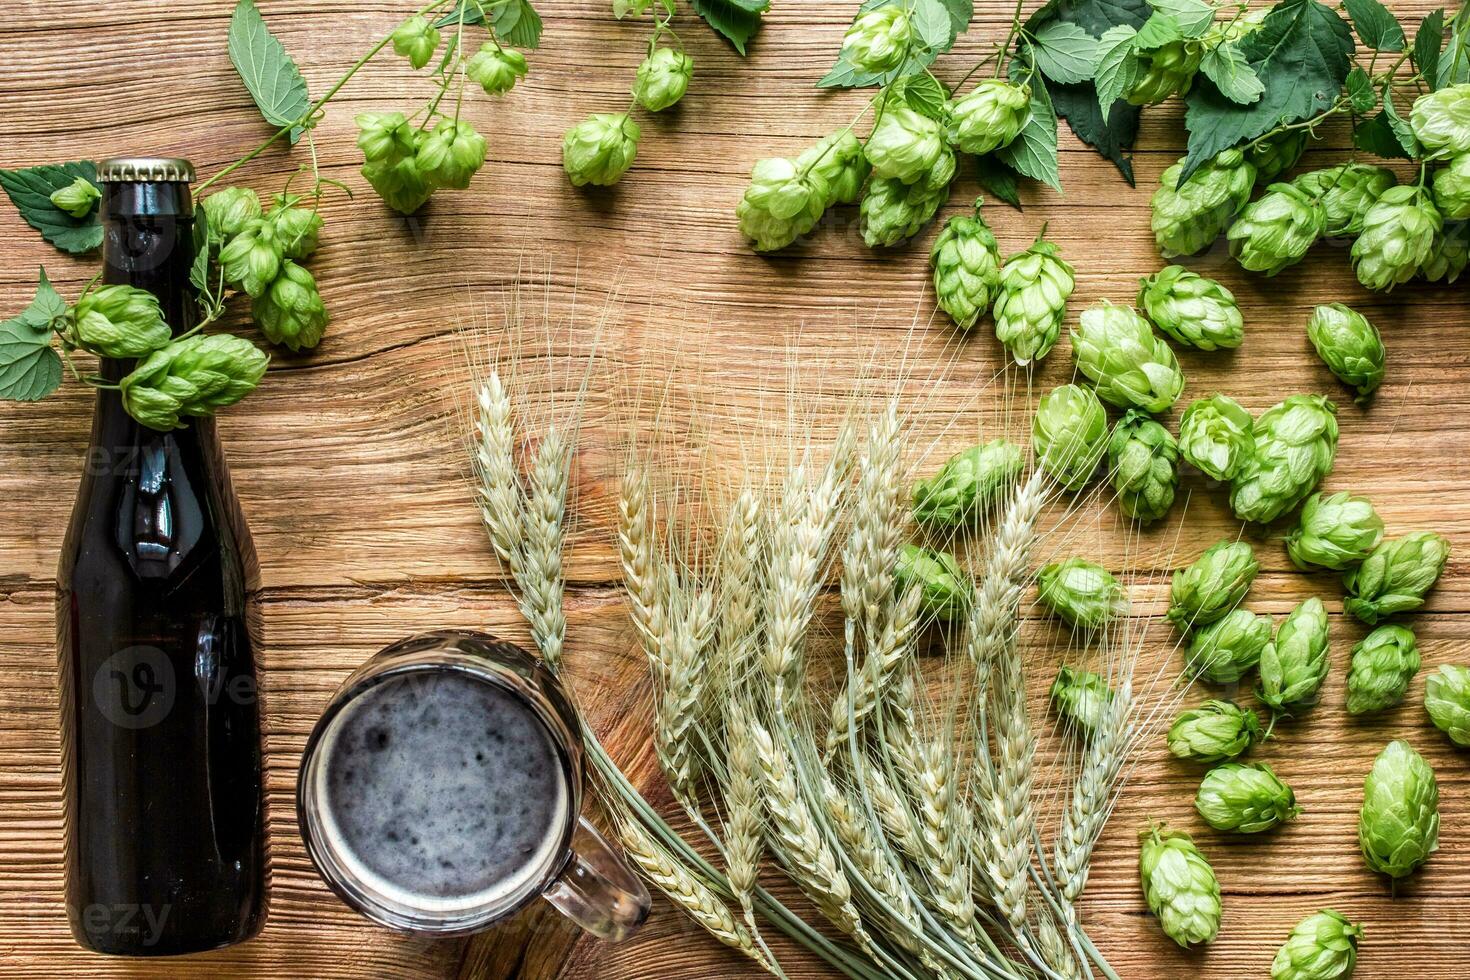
(345,466)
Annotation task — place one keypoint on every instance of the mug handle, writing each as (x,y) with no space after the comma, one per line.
(597,890)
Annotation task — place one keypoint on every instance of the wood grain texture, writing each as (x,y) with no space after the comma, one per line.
(345,465)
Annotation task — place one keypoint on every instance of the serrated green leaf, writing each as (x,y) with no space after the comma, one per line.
(1376,136)
(961,12)
(199,271)
(734,20)
(1427,43)
(1360,90)
(472,13)
(517,23)
(1065,52)
(1157,31)
(1402,132)
(1117,69)
(1226,67)
(1378,29)
(46,307)
(1034,152)
(1302,55)
(269,74)
(30,368)
(1193,17)
(30,191)
(1454,61)
(925,95)
(998,180)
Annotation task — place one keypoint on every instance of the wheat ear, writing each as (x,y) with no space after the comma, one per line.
(864,849)
(1092,796)
(885,659)
(543,537)
(681,700)
(638,554)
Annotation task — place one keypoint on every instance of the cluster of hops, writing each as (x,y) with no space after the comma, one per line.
(1441,123)
(1245,798)
(945,591)
(1179,885)
(1323,946)
(1069,434)
(967,484)
(1195,311)
(194,376)
(1216,731)
(966,263)
(1212,585)
(406,163)
(1082,698)
(1188,217)
(1082,592)
(261,252)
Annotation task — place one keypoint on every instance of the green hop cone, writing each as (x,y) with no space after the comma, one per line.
(402,185)
(1447,699)
(1335,532)
(1275,231)
(1451,188)
(1441,120)
(451,154)
(229,210)
(385,137)
(417,40)
(1213,585)
(878,39)
(291,311)
(1245,798)
(1450,254)
(1383,664)
(837,158)
(1143,460)
(496,69)
(989,117)
(1187,219)
(1130,365)
(118,321)
(1229,648)
(966,263)
(1396,577)
(1216,436)
(600,149)
(252,259)
(77,198)
(1323,946)
(1069,434)
(967,484)
(298,229)
(1164,71)
(1398,826)
(1216,731)
(1193,310)
(893,211)
(1397,238)
(1275,155)
(1179,885)
(783,202)
(1349,345)
(662,79)
(905,145)
(1032,300)
(1295,445)
(1083,593)
(1082,698)
(1294,664)
(1346,191)
(945,591)
(194,376)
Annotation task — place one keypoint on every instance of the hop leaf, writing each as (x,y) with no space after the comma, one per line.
(1346,192)
(893,211)
(905,145)
(1383,663)
(1294,665)
(600,149)
(1034,288)
(1275,155)
(878,39)
(229,210)
(1131,367)
(1441,120)
(1069,434)
(1334,532)
(1082,698)
(783,202)
(838,159)
(291,311)
(662,79)
(1451,188)
(1396,577)
(1447,699)
(1216,731)
(1349,345)
(118,321)
(496,69)
(1216,435)
(989,117)
(1179,885)
(77,198)
(966,263)
(1398,826)
(1193,310)
(1144,461)
(1398,237)
(945,591)
(451,154)
(1295,444)
(967,484)
(1323,946)
(1245,798)
(194,376)
(417,40)
(1083,593)
(1229,648)
(1276,230)
(1188,217)
(1213,585)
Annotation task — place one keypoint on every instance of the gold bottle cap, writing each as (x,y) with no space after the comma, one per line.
(129,169)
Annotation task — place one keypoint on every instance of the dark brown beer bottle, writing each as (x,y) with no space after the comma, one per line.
(155,616)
